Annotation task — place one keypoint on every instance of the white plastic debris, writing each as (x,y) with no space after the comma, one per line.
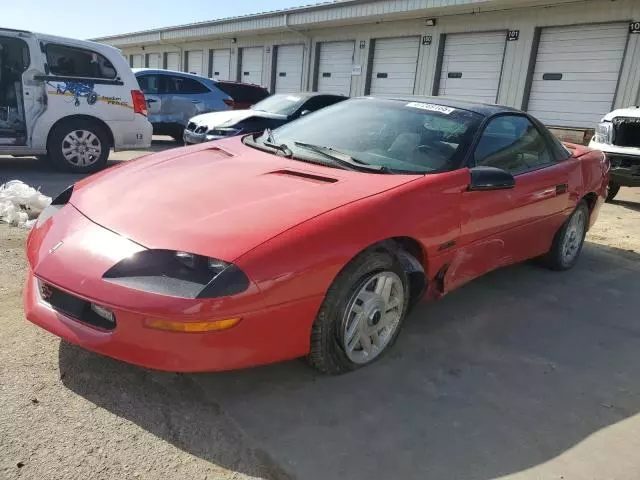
(21,204)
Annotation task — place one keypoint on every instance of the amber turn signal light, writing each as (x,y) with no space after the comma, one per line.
(192,327)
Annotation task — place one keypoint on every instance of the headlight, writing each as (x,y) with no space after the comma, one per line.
(57,203)
(178,274)
(604,132)
(223,132)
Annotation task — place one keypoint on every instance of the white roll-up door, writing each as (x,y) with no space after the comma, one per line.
(334,67)
(289,68)
(137,61)
(194,62)
(173,61)
(220,64)
(472,65)
(576,73)
(155,60)
(251,65)
(394,65)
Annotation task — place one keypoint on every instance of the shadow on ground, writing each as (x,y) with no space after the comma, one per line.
(40,174)
(635,206)
(508,372)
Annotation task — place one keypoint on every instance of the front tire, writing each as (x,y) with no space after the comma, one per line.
(568,242)
(361,315)
(78,146)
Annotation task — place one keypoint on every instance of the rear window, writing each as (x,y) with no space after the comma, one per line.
(68,61)
(243,93)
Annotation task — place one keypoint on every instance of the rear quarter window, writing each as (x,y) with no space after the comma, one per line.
(66,61)
(243,93)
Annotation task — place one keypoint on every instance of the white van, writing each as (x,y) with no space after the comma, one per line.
(68,100)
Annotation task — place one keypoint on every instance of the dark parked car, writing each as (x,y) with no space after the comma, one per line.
(244,94)
(271,112)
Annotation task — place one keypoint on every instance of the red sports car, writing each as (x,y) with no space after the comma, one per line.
(312,240)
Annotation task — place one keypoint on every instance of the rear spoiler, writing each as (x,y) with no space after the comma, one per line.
(576,150)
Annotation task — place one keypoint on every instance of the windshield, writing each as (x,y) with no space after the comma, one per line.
(280,104)
(400,136)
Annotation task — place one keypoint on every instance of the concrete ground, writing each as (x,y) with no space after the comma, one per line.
(523,374)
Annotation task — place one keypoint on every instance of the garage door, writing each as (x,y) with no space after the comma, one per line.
(220,64)
(194,62)
(289,68)
(472,65)
(173,61)
(394,65)
(251,70)
(576,73)
(154,60)
(334,67)
(137,61)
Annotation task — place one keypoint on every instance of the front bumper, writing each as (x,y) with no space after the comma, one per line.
(625,163)
(132,134)
(192,138)
(62,252)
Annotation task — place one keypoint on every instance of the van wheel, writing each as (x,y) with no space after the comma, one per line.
(78,146)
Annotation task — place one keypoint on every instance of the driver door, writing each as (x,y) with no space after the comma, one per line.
(502,227)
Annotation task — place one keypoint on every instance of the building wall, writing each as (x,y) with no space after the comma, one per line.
(513,84)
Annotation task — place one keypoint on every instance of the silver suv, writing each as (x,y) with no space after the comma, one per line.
(175,97)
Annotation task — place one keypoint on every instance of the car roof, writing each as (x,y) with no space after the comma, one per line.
(168,72)
(308,95)
(484,109)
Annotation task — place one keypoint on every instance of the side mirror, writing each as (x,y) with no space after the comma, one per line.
(490,178)
(305,112)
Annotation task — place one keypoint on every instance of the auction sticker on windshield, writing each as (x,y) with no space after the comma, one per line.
(431,107)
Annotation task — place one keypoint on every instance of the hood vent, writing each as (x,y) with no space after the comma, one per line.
(304,176)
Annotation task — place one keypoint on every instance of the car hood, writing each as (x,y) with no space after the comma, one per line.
(231,117)
(220,200)
(632,112)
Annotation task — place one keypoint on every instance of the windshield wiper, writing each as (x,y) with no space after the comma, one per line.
(271,143)
(342,158)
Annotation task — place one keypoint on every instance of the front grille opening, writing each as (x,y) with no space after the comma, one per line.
(626,132)
(191,126)
(73,307)
(201,130)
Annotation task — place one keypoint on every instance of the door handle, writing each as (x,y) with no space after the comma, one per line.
(562,188)
(151,100)
(195,101)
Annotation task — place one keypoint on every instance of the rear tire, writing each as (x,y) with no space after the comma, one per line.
(612,191)
(356,325)
(568,242)
(178,136)
(78,146)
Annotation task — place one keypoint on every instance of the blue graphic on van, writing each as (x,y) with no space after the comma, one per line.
(78,90)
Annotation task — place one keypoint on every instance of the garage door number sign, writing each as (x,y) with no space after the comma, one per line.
(634,27)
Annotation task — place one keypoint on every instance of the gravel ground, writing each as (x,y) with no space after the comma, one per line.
(69,414)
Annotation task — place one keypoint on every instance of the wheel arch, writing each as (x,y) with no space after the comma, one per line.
(411,254)
(591,199)
(85,118)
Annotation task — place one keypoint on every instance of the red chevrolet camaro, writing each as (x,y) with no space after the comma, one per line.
(312,240)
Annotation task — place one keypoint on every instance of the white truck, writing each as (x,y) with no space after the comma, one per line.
(67,100)
(618,136)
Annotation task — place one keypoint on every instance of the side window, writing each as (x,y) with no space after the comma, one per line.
(77,62)
(184,85)
(513,143)
(149,84)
